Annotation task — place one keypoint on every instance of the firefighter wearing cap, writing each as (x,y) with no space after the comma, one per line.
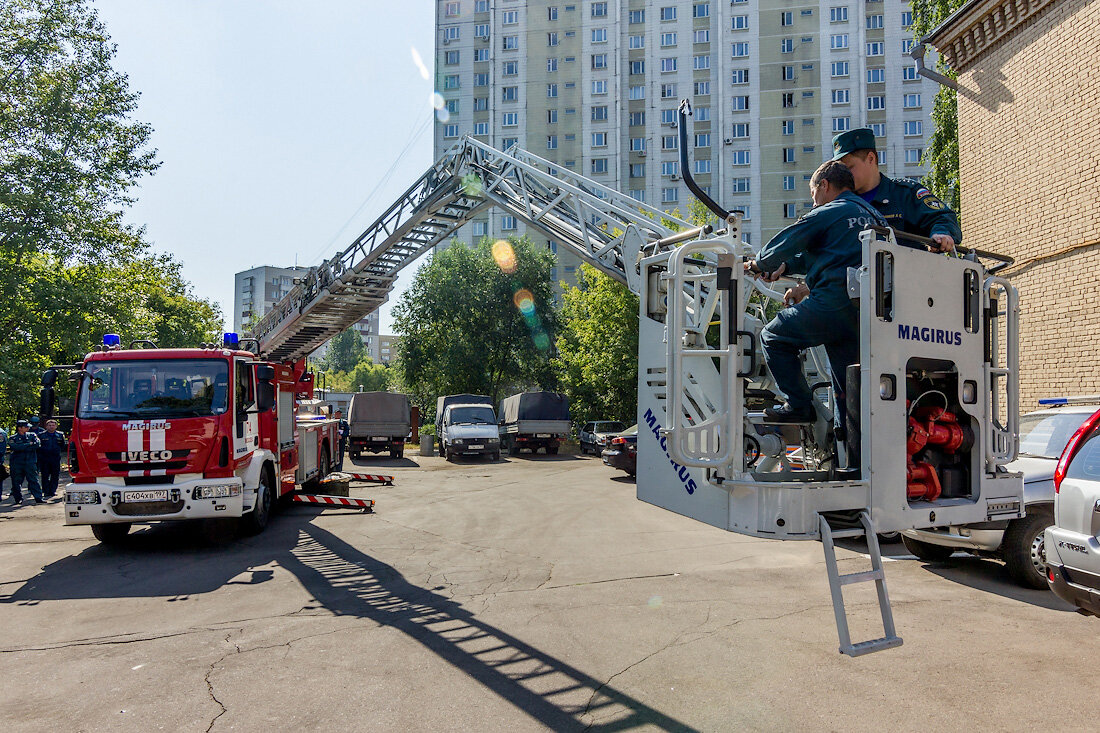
(49,457)
(24,447)
(905,204)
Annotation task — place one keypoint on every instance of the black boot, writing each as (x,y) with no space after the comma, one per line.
(787,414)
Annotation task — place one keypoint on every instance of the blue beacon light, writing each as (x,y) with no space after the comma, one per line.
(111,340)
(232,340)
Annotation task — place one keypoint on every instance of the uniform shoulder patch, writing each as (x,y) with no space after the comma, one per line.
(933,203)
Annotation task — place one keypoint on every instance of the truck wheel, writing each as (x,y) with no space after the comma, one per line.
(927,551)
(111,534)
(448,455)
(1024,547)
(495,456)
(401,452)
(256,520)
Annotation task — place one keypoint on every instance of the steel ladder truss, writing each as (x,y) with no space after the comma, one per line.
(600,225)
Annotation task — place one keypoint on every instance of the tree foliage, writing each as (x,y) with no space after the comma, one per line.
(478,324)
(942,153)
(345,350)
(365,376)
(597,359)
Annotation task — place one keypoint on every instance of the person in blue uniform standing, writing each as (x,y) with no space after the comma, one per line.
(24,462)
(823,244)
(49,457)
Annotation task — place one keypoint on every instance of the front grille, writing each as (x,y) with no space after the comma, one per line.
(147,508)
(159,465)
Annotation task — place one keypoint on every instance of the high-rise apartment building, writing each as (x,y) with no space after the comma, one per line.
(594,86)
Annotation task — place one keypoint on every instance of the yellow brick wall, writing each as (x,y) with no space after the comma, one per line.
(1029,159)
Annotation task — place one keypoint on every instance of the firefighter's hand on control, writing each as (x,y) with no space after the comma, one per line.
(796,294)
(944,241)
(770,277)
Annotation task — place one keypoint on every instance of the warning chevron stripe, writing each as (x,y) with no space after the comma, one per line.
(364,504)
(373,478)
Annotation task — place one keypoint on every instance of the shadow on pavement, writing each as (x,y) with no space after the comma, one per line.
(542,457)
(379,461)
(182,559)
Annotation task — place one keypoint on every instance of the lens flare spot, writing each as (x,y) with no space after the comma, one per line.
(438,102)
(542,341)
(420,63)
(656,602)
(524,301)
(504,256)
(442,115)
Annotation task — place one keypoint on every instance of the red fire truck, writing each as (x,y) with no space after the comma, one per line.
(171,434)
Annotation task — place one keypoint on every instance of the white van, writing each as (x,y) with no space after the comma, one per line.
(469,430)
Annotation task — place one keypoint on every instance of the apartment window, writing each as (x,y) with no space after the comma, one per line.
(450,58)
(906,19)
(702,36)
(739,185)
(481,54)
(552,38)
(906,45)
(636,16)
(599,113)
(670,195)
(450,81)
(509,17)
(913,127)
(786,18)
(739,23)
(746,214)
(876,76)
(668,117)
(509,68)
(635,42)
(599,61)
(637,91)
(451,10)
(913,156)
(702,140)
(551,12)
(702,88)
(450,33)
(909,73)
(740,157)
(839,69)
(480,228)
(481,128)
(876,102)
(911,101)
(740,76)
(740,103)
(879,130)
(599,86)
(481,80)
(508,142)
(838,15)
(701,62)
(702,114)
(599,35)
(481,30)
(788,100)
(599,139)
(508,222)
(788,183)
(638,195)
(668,64)
(551,116)
(599,165)
(702,166)
(637,170)
(838,41)
(452,106)
(481,104)
(787,73)
(876,49)
(509,119)
(668,13)
(790,211)
(670,142)
(700,10)
(511,43)
(551,142)
(551,64)
(511,94)
(788,127)
(551,90)
(668,91)
(842,124)
(670,168)
(450,131)
(786,45)
(874,22)
(599,10)
(740,50)
(668,39)
(637,118)
(788,155)
(740,130)
(637,144)
(841,96)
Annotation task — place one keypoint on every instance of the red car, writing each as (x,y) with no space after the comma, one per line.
(622,451)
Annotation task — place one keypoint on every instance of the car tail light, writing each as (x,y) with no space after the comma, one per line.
(1083,433)
(618,441)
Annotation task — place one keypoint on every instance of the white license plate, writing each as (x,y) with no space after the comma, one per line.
(152,495)
(476,445)
(542,435)
(380,440)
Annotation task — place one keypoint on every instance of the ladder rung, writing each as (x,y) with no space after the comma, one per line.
(863,577)
(874,645)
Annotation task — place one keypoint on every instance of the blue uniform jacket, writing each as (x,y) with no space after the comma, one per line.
(823,244)
(24,448)
(53,444)
(909,206)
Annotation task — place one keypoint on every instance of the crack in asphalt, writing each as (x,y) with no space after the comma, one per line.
(210,685)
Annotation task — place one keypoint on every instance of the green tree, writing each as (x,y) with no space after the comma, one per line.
(942,152)
(597,348)
(366,374)
(472,322)
(344,351)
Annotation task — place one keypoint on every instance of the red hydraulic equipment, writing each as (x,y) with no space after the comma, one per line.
(929,426)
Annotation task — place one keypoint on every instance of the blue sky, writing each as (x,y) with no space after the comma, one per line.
(274,122)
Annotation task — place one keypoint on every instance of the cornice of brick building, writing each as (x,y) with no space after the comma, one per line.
(978,25)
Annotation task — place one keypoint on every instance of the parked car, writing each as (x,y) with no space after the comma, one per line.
(622,451)
(1073,542)
(595,435)
(1020,543)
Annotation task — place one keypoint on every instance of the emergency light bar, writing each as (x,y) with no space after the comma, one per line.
(1078,400)
(231,341)
(111,340)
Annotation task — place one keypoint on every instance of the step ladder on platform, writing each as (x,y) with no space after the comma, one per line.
(837,582)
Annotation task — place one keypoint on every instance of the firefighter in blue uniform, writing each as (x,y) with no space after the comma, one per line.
(49,457)
(24,462)
(823,244)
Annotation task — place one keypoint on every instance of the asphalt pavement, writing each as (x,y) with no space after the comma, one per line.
(530,594)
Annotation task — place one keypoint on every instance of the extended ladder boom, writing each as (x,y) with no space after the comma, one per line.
(600,225)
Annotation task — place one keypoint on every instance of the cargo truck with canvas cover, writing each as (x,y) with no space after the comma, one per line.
(379,422)
(534,420)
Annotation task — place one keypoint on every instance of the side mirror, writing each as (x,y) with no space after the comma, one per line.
(265,390)
(49,378)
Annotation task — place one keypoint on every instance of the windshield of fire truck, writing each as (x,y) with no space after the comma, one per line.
(160,388)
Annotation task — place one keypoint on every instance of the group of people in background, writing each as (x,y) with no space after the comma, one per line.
(33,455)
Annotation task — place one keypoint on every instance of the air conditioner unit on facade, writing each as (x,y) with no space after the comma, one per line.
(728,141)
(674,177)
(641,153)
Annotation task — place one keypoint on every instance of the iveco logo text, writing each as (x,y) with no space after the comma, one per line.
(681,472)
(930,335)
(145,456)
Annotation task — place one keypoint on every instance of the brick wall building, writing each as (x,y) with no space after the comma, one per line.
(1029,159)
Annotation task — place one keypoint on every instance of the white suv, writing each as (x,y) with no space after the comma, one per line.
(1073,543)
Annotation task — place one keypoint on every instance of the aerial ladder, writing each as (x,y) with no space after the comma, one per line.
(931,406)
